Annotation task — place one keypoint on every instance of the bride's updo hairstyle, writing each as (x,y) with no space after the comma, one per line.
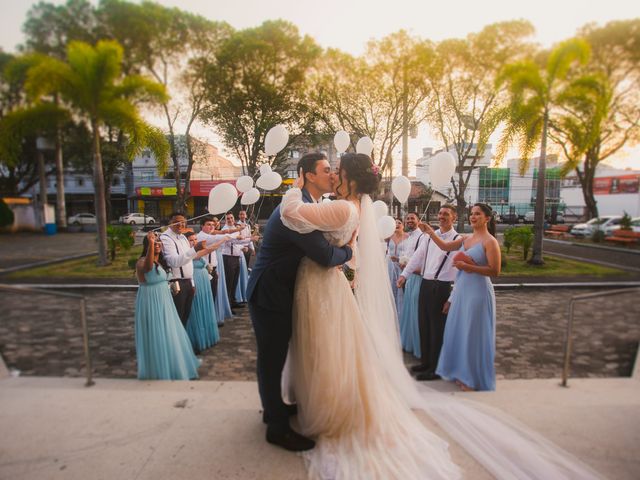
(359,168)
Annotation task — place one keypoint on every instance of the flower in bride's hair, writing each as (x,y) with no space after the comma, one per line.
(375,169)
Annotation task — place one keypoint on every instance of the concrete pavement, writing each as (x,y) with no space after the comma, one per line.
(54,428)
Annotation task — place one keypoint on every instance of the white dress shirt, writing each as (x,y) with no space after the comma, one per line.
(178,253)
(210,258)
(411,243)
(434,259)
(246,232)
(234,246)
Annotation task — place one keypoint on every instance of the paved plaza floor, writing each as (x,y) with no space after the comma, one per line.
(41,335)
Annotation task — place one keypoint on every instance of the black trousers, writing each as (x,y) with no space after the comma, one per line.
(183,299)
(231,276)
(273,332)
(214,282)
(247,256)
(431,320)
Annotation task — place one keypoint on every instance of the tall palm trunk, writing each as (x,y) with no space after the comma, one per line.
(101,206)
(43,186)
(61,207)
(538,225)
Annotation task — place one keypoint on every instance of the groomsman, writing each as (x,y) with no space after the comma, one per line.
(231,252)
(250,249)
(207,233)
(179,256)
(438,274)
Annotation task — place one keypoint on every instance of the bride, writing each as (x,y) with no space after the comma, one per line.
(345,396)
(353,391)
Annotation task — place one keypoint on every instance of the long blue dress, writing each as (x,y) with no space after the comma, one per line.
(243,279)
(468,349)
(394,272)
(408,318)
(202,325)
(223,306)
(163,349)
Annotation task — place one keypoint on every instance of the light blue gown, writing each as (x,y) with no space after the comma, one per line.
(243,279)
(394,272)
(202,325)
(408,318)
(223,306)
(163,349)
(468,349)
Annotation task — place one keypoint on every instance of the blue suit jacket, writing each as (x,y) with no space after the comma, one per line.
(273,276)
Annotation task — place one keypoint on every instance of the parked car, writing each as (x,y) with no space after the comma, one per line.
(137,219)
(509,218)
(82,219)
(599,223)
(611,229)
(529,217)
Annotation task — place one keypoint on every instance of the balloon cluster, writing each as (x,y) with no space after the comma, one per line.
(224,196)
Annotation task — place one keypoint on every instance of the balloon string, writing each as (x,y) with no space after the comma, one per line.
(425,210)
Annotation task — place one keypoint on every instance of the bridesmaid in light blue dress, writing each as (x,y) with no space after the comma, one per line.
(223,306)
(468,350)
(394,252)
(163,349)
(243,279)
(202,325)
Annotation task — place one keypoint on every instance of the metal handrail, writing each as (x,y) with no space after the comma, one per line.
(568,341)
(83,319)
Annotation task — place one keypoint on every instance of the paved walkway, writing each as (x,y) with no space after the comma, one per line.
(41,335)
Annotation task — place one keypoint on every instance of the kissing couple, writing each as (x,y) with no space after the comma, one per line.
(354,395)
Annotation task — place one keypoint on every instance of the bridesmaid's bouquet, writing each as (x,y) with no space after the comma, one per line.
(463,257)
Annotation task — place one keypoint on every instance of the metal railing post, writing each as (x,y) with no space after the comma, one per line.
(568,341)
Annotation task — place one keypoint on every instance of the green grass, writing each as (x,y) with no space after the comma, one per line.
(85,268)
(553,267)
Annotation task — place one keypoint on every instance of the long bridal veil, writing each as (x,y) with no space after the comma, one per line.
(503,446)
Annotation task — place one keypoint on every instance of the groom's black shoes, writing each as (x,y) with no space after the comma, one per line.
(289,439)
(428,376)
(419,368)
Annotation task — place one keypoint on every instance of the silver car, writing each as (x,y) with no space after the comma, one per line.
(598,223)
(137,219)
(82,219)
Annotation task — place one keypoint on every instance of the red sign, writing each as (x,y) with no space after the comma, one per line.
(201,188)
(616,185)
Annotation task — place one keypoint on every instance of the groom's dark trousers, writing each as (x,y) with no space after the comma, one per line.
(270,294)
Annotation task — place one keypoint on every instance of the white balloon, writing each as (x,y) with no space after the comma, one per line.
(441,168)
(401,188)
(250,197)
(364,145)
(386,226)
(265,168)
(270,181)
(380,209)
(341,140)
(276,140)
(244,183)
(222,198)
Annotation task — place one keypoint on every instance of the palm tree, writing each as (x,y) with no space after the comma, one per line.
(90,82)
(536,94)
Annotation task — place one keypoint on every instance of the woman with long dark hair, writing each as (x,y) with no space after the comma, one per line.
(468,349)
(163,349)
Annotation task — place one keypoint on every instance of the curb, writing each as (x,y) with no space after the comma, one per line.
(600,247)
(45,262)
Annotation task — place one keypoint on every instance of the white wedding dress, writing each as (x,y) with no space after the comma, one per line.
(353,391)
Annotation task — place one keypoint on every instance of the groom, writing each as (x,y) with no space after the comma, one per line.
(270,295)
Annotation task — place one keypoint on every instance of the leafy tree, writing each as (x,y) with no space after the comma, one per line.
(536,97)
(175,48)
(390,97)
(604,116)
(90,81)
(258,80)
(466,103)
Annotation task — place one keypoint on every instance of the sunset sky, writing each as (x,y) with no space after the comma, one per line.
(348,25)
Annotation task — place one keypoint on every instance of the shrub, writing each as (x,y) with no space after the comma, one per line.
(625,222)
(519,236)
(6,215)
(119,237)
(597,236)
